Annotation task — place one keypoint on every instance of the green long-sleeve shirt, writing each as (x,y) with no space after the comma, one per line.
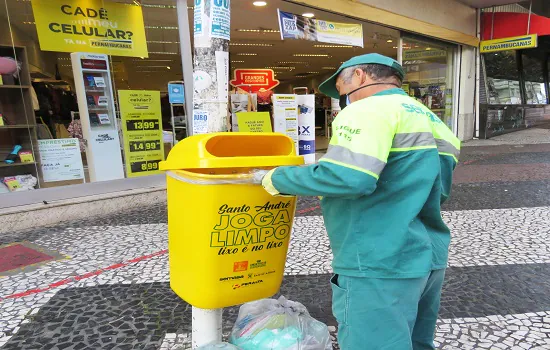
(383,179)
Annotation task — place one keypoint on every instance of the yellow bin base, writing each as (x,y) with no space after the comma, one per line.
(227,241)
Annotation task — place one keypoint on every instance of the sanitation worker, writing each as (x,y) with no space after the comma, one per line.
(386,173)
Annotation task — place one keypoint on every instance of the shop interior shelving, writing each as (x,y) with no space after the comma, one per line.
(17,110)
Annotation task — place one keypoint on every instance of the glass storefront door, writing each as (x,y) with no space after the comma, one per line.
(430,75)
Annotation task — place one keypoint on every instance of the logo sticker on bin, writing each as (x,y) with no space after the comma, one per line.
(240,266)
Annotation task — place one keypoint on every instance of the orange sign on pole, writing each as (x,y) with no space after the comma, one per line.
(254,79)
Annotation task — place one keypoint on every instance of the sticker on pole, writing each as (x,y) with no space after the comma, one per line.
(255,79)
(220,17)
(197,18)
(200,122)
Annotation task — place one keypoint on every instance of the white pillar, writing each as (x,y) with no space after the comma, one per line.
(186,60)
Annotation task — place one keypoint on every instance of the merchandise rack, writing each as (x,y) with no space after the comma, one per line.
(17,109)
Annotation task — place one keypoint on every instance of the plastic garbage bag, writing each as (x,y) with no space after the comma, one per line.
(279,325)
(219,346)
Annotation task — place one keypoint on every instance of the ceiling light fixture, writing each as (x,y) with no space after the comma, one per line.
(259,3)
(395,47)
(309,55)
(390,40)
(143,60)
(162,42)
(428,48)
(163,53)
(312,72)
(334,46)
(258,30)
(168,67)
(328,68)
(247,54)
(237,61)
(294,62)
(250,44)
(161,27)
(308,15)
(281,68)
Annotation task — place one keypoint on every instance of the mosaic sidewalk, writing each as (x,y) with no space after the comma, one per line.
(107,287)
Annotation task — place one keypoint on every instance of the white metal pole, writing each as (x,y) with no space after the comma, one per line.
(186,61)
(210,82)
(206,326)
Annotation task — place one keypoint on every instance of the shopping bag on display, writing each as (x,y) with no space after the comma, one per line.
(278,324)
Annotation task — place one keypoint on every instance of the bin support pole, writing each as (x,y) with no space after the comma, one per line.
(210,112)
(207,326)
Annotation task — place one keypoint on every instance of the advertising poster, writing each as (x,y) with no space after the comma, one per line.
(254,122)
(198,20)
(60,160)
(285,115)
(220,19)
(306,127)
(200,122)
(94,26)
(142,131)
(294,26)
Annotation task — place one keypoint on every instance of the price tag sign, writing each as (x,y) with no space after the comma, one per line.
(142,131)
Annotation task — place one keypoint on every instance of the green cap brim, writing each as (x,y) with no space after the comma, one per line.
(328,87)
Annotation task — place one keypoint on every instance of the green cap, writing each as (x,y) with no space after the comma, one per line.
(328,87)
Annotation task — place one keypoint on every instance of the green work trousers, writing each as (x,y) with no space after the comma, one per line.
(392,314)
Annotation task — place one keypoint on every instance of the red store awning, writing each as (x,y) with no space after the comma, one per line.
(507,24)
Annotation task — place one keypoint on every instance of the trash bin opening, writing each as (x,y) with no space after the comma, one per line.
(214,176)
(236,145)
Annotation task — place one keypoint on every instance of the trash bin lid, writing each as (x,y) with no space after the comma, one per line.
(232,150)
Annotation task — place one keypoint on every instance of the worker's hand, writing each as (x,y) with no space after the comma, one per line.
(258,176)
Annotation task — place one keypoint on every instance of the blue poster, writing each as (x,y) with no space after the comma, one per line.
(220,16)
(176,93)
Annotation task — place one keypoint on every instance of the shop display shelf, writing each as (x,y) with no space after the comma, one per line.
(17,126)
(102,90)
(6,165)
(15,86)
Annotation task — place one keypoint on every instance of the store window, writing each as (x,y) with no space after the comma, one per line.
(62,121)
(533,75)
(503,82)
(430,75)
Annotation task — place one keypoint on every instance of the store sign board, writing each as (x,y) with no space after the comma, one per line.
(254,122)
(294,26)
(254,79)
(142,131)
(511,43)
(91,26)
(411,55)
(60,160)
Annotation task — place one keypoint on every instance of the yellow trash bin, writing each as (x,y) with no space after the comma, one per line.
(227,238)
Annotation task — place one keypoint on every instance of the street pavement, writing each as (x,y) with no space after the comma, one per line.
(105,285)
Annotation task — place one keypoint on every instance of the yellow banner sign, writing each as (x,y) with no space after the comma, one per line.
(95,26)
(142,131)
(511,43)
(254,122)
